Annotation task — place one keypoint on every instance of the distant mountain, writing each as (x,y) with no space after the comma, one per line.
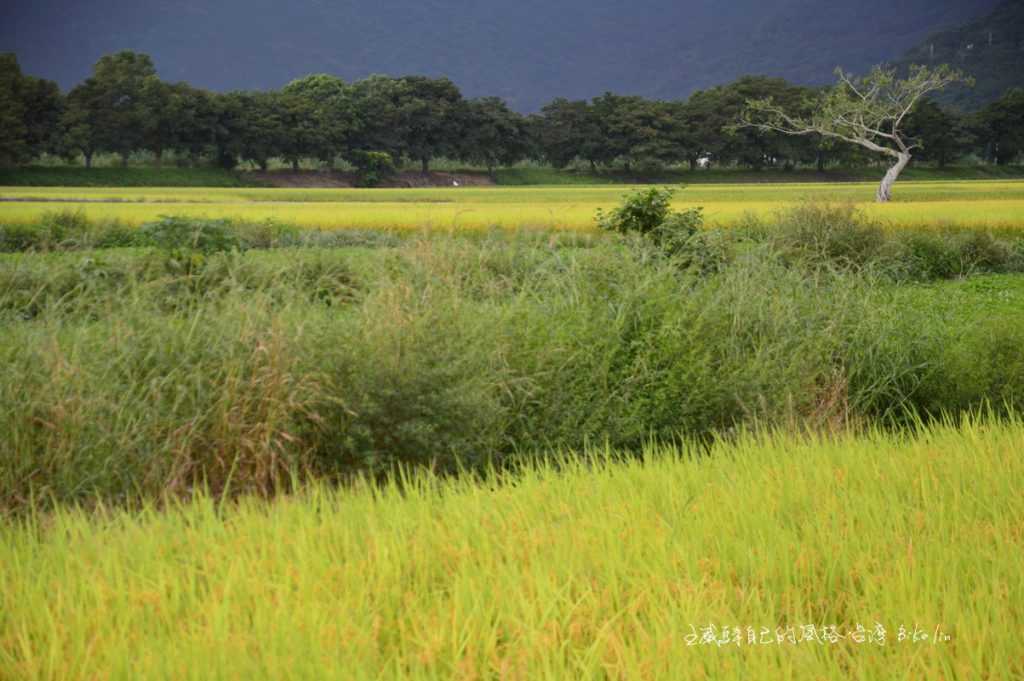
(990,48)
(527,51)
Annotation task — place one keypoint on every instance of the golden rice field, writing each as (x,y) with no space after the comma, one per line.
(917,204)
(873,557)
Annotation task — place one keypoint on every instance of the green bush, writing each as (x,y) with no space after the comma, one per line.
(180,234)
(126,379)
(818,234)
(373,167)
(16,238)
(930,256)
(641,212)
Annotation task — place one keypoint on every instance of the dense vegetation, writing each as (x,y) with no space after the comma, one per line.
(219,354)
(376,124)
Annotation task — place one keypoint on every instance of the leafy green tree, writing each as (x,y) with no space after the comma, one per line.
(714,113)
(682,133)
(939,133)
(566,130)
(252,126)
(494,134)
(637,131)
(380,122)
(302,137)
(121,112)
(14,147)
(1000,127)
(869,111)
(618,131)
(202,130)
(433,111)
(43,107)
(165,116)
(318,118)
(81,122)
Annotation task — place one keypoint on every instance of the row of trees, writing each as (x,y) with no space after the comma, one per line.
(379,121)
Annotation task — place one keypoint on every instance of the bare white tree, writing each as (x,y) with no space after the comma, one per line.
(866,111)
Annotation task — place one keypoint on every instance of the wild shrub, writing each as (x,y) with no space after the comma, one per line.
(929,256)
(647,213)
(820,234)
(447,353)
(373,167)
(64,228)
(18,238)
(640,212)
(182,234)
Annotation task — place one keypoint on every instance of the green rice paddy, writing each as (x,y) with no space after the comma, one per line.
(997,204)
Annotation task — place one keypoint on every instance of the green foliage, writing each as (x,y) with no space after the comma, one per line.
(820,234)
(641,212)
(189,234)
(431,112)
(124,108)
(494,134)
(676,234)
(373,167)
(566,130)
(453,352)
(939,134)
(14,148)
(1000,127)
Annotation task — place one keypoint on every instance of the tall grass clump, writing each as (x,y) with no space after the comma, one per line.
(132,377)
(821,234)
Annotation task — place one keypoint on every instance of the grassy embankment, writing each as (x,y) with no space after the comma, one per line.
(112,175)
(533,175)
(63,176)
(137,372)
(607,570)
(994,204)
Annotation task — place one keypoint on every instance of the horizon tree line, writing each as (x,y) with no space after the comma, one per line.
(378,122)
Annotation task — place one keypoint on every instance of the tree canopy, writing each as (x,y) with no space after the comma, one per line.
(869,111)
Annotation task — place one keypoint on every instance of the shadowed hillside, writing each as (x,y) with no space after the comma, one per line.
(990,48)
(527,52)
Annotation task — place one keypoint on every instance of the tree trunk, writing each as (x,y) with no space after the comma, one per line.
(425,165)
(821,161)
(124,160)
(295,165)
(159,158)
(885,189)
(693,163)
(88,159)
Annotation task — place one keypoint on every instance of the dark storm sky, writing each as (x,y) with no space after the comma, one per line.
(527,51)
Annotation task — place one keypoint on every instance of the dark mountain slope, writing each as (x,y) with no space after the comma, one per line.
(990,48)
(527,51)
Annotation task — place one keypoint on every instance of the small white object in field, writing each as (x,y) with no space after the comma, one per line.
(455,183)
